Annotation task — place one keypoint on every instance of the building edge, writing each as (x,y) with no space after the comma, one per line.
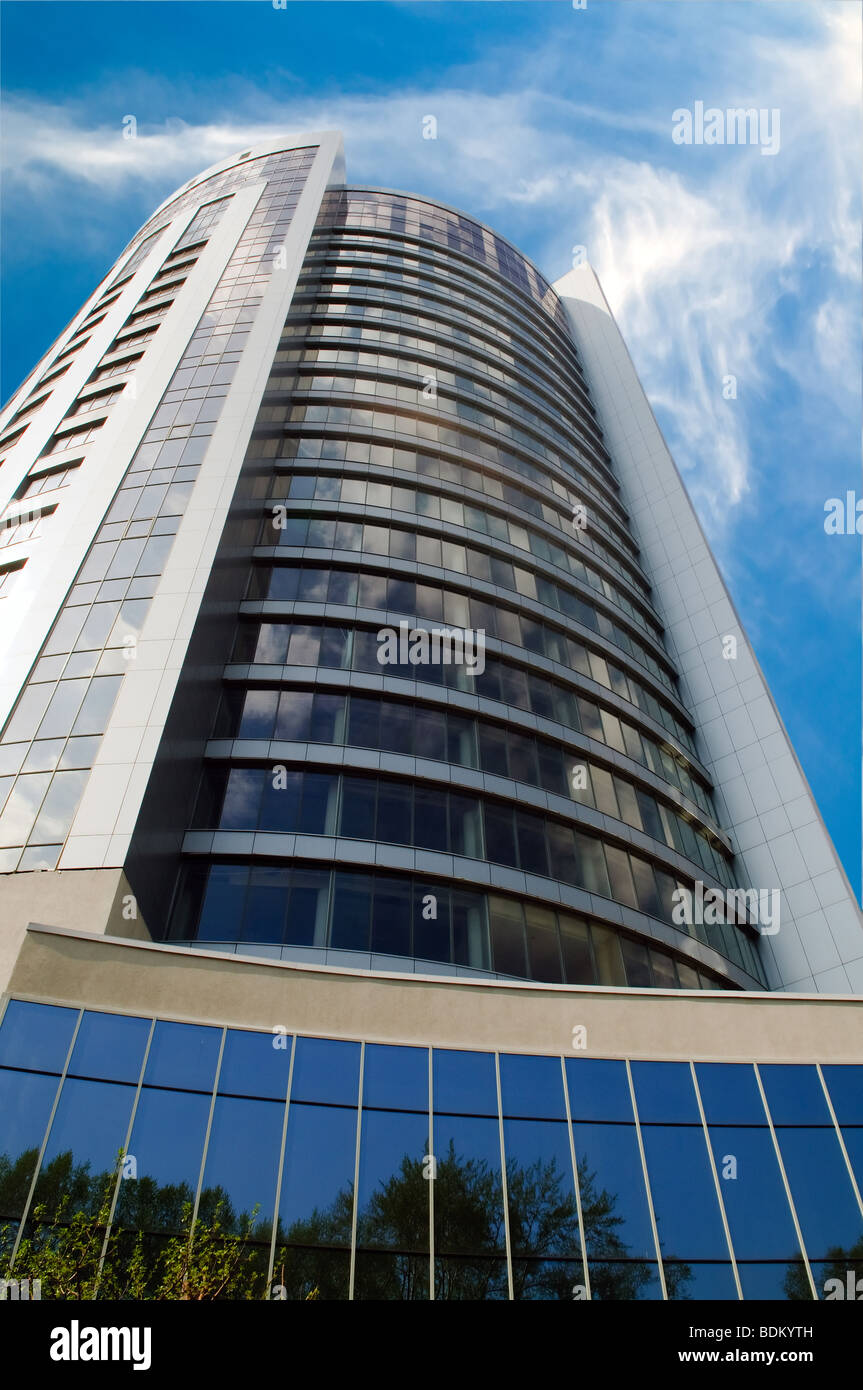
(768,807)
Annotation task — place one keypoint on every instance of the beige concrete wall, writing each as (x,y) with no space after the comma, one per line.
(151,978)
(87,900)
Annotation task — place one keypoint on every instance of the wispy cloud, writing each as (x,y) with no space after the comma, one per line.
(696,248)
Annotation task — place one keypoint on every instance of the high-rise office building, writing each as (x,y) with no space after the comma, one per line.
(399,836)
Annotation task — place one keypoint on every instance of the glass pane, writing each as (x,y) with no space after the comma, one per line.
(598,1090)
(753,1194)
(393,1206)
(255,1064)
(543,1215)
(183,1055)
(729,1094)
(684,1194)
(224,900)
(468,1192)
(774,1281)
(352,900)
(575,946)
(507,936)
(532,1087)
(167,1144)
(700,1281)
(87,1134)
(25,1104)
(795,1095)
(821,1191)
(110,1047)
(316,1202)
(242,1164)
(845,1085)
(395,1077)
(464,1083)
(36,1036)
(391,917)
(664,1092)
(326,1071)
(265,902)
(543,950)
(617,1232)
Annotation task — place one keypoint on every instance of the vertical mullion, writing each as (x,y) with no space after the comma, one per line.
(119,1177)
(653,1226)
(785,1183)
(585,1273)
(213,1094)
(280,1168)
(840,1137)
(357,1174)
(716,1182)
(504,1187)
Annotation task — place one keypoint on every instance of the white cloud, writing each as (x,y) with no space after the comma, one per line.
(695,248)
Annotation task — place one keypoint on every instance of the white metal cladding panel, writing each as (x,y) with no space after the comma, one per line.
(762,794)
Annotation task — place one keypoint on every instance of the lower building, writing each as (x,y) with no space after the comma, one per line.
(385,1136)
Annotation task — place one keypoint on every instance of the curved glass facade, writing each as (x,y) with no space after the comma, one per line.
(426,453)
(372,1171)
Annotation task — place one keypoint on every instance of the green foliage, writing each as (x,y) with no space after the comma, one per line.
(67,1245)
(81,1243)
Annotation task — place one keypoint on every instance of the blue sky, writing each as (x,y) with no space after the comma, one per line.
(554,125)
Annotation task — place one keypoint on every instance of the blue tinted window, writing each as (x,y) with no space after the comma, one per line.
(464,1082)
(109,1047)
(167,1144)
(243,1161)
(838,1279)
(729,1094)
(774,1281)
(183,1055)
(845,1085)
(468,1198)
(89,1129)
(853,1139)
(700,1281)
(532,1087)
(326,1071)
(551,1280)
(614,1280)
(255,1064)
(396,1078)
(316,1203)
(25,1104)
(598,1090)
(613,1197)
(759,1217)
(688,1219)
(821,1190)
(36,1036)
(664,1093)
(393,1194)
(543,1215)
(795,1095)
